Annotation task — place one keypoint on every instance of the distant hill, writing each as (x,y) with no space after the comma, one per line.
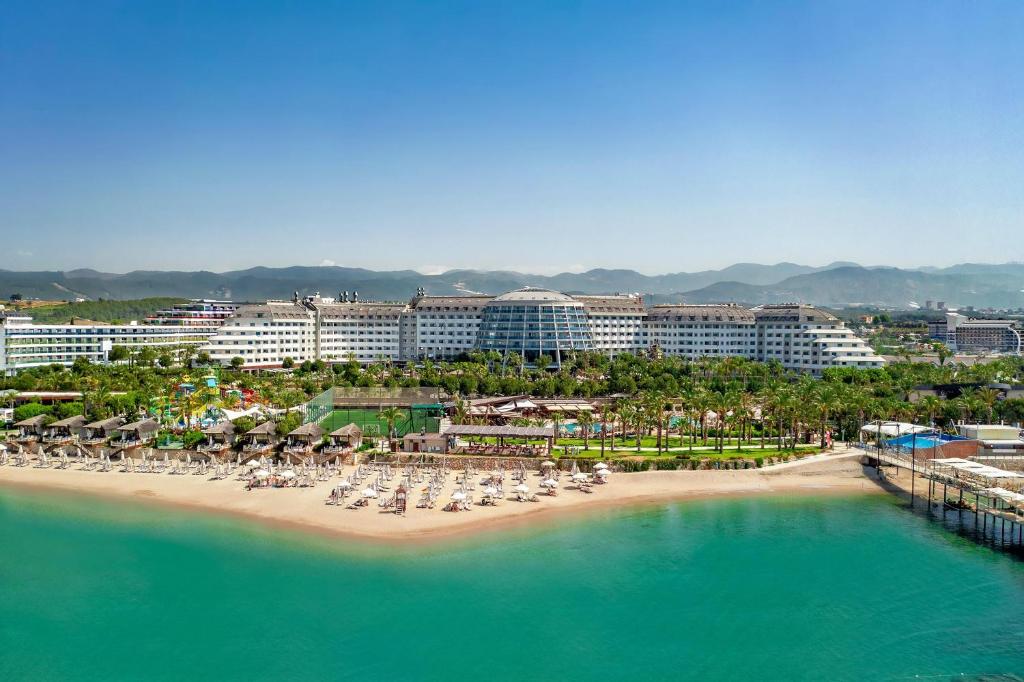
(835,284)
(998,286)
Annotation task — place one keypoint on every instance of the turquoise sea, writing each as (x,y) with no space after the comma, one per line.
(849,588)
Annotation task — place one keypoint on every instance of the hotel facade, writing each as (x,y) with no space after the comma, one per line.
(25,344)
(530,323)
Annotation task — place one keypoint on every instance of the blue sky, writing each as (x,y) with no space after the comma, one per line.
(539,136)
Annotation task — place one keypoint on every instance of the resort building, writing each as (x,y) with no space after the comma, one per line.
(264,335)
(804,338)
(533,322)
(442,327)
(199,313)
(962,333)
(697,331)
(24,343)
(365,331)
(616,323)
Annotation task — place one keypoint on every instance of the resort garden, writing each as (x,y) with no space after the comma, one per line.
(651,409)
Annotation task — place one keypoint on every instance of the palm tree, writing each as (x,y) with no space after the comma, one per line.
(585,421)
(606,416)
(391,416)
(987,397)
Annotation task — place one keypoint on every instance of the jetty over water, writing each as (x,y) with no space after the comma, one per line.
(994,496)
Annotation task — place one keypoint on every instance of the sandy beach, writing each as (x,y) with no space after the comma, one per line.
(838,472)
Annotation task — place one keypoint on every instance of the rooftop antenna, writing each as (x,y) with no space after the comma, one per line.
(355,296)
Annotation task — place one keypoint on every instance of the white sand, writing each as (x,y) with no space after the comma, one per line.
(305,507)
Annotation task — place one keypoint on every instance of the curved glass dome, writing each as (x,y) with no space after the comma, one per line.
(534,322)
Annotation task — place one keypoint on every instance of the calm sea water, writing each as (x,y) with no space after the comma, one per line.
(757,589)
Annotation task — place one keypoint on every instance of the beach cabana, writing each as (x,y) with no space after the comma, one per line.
(136,434)
(302,440)
(219,437)
(99,432)
(31,429)
(346,438)
(64,431)
(261,439)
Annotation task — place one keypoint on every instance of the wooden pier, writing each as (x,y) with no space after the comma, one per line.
(955,488)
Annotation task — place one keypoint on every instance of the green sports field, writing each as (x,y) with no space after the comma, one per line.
(415,420)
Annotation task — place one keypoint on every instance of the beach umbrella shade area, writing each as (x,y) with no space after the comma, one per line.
(603,473)
(458,496)
(523,488)
(549,483)
(369,492)
(261,473)
(600,465)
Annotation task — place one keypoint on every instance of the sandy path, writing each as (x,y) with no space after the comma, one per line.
(305,507)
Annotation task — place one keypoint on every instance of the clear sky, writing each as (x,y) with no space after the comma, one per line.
(539,136)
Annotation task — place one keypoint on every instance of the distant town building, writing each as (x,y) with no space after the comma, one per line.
(962,333)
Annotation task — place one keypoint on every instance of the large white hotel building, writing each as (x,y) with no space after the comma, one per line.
(529,322)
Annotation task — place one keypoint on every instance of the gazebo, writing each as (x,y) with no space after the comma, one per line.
(261,439)
(302,440)
(346,438)
(219,437)
(101,431)
(137,433)
(31,429)
(64,431)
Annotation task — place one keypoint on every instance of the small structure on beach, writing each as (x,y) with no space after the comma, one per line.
(219,437)
(261,439)
(501,434)
(136,434)
(346,438)
(31,429)
(99,432)
(64,431)
(424,442)
(302,440)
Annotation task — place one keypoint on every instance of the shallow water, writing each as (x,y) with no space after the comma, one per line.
(767,589)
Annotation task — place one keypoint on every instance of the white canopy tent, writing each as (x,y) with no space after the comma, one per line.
(894,429)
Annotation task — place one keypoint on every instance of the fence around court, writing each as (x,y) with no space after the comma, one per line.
(420,407)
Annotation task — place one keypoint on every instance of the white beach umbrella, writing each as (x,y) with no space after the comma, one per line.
(458,495)
(490,490)
(261,473)
(345,485)
(550,483)
(369,492)
(547,463)
(603,473)
(600,465)
(579,476)
(288,474)
(523,488)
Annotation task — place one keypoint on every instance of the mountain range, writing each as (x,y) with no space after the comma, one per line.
(836,284)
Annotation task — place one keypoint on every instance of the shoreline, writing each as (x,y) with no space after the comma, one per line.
(303,509)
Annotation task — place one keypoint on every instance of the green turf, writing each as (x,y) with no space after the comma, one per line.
(372,425)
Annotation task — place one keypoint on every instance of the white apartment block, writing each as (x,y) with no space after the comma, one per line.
(443,327)
(264,335)
(367,332)
(698,331)
(25,344)
(616,323)
(804,338)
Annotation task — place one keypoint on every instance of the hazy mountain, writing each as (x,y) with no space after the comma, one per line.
(877,286)
(834,284)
